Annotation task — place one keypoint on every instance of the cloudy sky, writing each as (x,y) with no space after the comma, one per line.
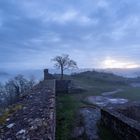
(95,33)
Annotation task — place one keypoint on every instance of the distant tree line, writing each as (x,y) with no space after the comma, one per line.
(14,89)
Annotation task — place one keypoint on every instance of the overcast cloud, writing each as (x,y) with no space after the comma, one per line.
(90,31)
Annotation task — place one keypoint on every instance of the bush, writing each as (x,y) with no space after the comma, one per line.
(12,90)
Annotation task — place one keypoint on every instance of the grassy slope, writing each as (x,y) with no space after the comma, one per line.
(67,107)
(94,83)
(129,93)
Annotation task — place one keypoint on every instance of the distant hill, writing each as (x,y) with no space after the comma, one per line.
(4,73)
(133,72)
(98,74)
(100,77)
(4,76)
(129,73)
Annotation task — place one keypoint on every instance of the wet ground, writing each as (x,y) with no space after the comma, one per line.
(135,84)
(101,101)
(106,100)
(91,116)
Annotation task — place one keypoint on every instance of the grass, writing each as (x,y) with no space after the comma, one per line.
(66,116)
(67,107)
(69,104)
(132,94)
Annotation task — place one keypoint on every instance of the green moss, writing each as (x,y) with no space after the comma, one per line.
(4,117)
(9,112)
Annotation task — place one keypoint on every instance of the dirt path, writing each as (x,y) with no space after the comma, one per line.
(111,92)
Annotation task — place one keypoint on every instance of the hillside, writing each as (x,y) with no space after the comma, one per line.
(100,77)
(91,85)
(34,115)
(126,72)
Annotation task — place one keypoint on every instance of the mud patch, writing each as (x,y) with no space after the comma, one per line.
(105,101)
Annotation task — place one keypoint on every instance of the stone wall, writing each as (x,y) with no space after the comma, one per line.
(124,127)
(131,111)
(47,75)
(34,117)
(62,86)
(52,118)
(50,84)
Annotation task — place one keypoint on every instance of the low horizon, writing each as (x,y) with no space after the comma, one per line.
(69,69)
(79,68)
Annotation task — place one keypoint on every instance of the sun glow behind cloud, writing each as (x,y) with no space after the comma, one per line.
(88,31)
(112,63)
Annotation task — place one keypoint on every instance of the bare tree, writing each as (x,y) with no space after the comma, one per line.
(2,96)
(31,82)
(18,86)
(12,90)
(63,62)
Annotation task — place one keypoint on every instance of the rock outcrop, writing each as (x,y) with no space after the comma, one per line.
(35,120)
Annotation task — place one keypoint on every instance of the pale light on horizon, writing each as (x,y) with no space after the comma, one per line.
(112,63)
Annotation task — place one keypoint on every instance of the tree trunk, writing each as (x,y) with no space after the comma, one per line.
(62,73)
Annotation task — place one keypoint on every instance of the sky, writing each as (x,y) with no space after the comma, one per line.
(95,33)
